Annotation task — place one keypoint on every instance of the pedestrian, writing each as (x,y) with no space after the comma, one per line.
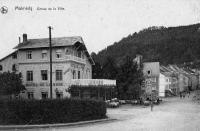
(184,95)
(180,95)
(188,93)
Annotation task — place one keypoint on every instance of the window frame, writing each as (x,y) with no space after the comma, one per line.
(30,95)
(44,72)
(44,93)
(58,53)
(59,93)
(28,54)
(73,74)
(42,54)
(59,75)
(29,75)
(1,67)
(79,74)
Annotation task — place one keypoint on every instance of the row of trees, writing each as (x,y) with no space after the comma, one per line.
(129,77)
(172,45)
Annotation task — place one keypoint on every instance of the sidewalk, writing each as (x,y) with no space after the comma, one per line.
(8,127)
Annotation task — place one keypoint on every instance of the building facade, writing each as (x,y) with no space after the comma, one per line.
(70,61)
(151,71)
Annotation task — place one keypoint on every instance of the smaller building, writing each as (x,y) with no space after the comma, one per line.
(151,71)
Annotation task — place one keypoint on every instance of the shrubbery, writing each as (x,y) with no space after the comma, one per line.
(50,111)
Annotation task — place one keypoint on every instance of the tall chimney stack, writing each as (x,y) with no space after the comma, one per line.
(24,38)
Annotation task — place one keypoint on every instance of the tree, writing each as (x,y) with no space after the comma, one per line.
(129,80)
(109,69)
(11,83)
(96,71)
(96,68)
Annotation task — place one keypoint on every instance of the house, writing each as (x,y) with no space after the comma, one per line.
(71,64)
(193,79)
(183,79)
(151,71)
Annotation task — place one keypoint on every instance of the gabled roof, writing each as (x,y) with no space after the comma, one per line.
(44,42)
(8,55)
(165,69)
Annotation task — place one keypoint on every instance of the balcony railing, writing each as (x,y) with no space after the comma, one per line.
(75,58)
(63,58)
(93,82)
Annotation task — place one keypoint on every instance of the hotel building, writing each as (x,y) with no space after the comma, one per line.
(71,65)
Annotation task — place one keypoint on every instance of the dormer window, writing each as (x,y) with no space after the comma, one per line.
(29,55)
(58,54)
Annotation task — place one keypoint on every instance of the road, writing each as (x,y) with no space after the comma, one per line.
(173,114)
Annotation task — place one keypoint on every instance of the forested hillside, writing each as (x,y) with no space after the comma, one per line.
(172,45)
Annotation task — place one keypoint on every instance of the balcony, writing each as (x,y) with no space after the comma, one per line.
(46,60)
(93,82)
(75,59)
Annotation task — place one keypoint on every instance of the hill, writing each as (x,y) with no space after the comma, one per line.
(172,45)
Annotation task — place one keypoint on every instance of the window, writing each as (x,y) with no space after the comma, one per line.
(59,75)
(29,55)
(59,95)
(1,67)
(67,52)
(14,68)
(58,54)
(74,74)
(79,54)
(30,95)
(29,75)
(44,54)
(44,95)
(14,56)
(148,72)
(79,75)
(44,75)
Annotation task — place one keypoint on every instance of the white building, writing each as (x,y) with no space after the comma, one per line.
(70,61)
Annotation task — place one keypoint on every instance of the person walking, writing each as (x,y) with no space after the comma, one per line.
(183,94)
(188,93)
(180,95)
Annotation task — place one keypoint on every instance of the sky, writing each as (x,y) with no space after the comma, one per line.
(99,22)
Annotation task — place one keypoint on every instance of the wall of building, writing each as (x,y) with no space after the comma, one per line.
(70,61)
(7,64)
(162,85)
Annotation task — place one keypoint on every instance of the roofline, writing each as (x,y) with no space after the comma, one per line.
(8,55)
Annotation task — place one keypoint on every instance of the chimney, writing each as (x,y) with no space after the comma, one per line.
(24,38)
(19,40)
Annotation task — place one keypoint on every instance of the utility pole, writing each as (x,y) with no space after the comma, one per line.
(50,54)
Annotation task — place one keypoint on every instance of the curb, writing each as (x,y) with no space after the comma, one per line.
(8,127)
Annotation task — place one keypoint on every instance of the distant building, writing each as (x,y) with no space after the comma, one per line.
(183,79)
(151,71)
(72,65)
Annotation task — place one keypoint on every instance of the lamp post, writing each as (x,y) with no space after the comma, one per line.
(50,54)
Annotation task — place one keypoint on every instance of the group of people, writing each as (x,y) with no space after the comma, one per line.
(184,93)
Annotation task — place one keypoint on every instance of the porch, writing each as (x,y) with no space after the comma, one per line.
(101,89)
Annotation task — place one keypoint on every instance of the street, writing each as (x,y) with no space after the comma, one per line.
(173,114)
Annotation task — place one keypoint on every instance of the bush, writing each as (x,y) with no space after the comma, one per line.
(50,111)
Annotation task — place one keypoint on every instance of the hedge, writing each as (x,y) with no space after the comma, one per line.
(50,111)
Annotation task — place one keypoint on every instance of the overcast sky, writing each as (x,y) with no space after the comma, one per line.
(99,22)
